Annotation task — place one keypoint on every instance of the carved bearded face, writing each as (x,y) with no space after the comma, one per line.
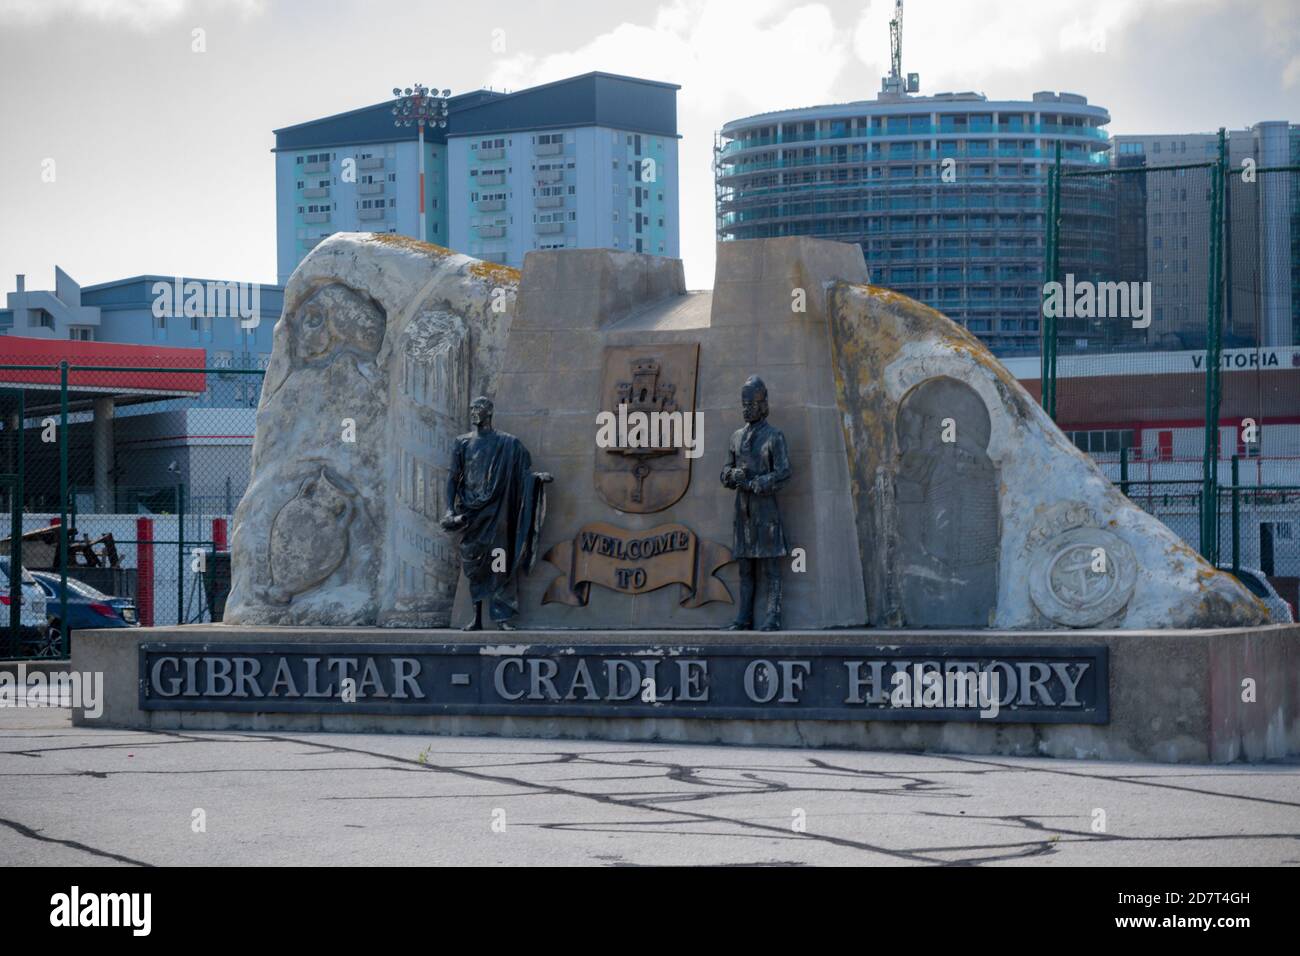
(336,318)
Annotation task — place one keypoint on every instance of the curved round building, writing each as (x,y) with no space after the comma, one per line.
(945,193)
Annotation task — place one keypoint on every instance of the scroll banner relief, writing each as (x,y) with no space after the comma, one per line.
(637,562)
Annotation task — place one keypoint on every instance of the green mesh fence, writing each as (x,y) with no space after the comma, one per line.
(123,479)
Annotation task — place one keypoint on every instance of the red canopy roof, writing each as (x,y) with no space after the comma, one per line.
(163,370)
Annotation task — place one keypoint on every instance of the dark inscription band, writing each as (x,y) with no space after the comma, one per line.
(1009,684)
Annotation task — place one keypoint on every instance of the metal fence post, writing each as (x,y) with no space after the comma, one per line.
(1123,470)
(1052,265)
(16,528)
(64,637)
(1213,358)
(180,553)
(1236,515)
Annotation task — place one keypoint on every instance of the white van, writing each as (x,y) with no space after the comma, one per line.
(32,620)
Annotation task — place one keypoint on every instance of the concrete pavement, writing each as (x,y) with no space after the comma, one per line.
(80,796)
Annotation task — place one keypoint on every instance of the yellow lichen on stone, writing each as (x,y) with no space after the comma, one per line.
(494,272)
(413,245)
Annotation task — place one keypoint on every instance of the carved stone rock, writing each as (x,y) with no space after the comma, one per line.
(1009,525)
(381,341)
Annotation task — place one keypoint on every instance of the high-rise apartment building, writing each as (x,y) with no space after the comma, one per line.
(1261,294)
(585,162)
(944,193)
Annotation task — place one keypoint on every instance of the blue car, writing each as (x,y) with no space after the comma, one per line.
(87,608)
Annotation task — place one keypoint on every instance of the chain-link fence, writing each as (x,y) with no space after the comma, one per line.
(119,484)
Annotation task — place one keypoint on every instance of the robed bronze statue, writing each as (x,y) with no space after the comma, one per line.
(758,465)
(497,503)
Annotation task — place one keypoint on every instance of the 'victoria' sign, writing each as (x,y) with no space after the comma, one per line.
(1017,684)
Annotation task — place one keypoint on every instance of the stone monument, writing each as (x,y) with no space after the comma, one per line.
(935,530)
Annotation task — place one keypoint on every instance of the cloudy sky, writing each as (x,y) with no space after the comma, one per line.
(161,155)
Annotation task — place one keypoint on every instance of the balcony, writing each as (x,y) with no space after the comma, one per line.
(491,232)
(491,179)
(372,162)
(549,175)
(549,149)
(549,228)
(316,217)
(490,205)
(371,189)
(365,214)
(316,192)
(315,167)
(496,152)
(549,202)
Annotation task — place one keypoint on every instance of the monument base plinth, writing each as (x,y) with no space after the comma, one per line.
(1170,696)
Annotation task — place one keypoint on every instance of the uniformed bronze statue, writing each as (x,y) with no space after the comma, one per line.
(497,503)
(758,465)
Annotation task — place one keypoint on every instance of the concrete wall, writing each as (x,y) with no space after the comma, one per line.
(1175,696)
(577,303)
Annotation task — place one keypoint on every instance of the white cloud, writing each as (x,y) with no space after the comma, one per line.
(142,15)
(731,57)
(959,45)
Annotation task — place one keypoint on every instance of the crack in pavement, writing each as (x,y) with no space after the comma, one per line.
(703,782)
(73,844)
(613,800)
(1131,779)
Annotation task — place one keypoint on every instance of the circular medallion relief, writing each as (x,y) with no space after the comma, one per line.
(1082,576)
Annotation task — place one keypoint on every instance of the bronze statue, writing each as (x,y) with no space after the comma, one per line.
(758,465)
(498,504)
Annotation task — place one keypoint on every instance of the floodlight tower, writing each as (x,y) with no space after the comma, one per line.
(421,106)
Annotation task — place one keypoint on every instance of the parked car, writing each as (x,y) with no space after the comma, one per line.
(33,636)
(1257,583)
(87,607)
